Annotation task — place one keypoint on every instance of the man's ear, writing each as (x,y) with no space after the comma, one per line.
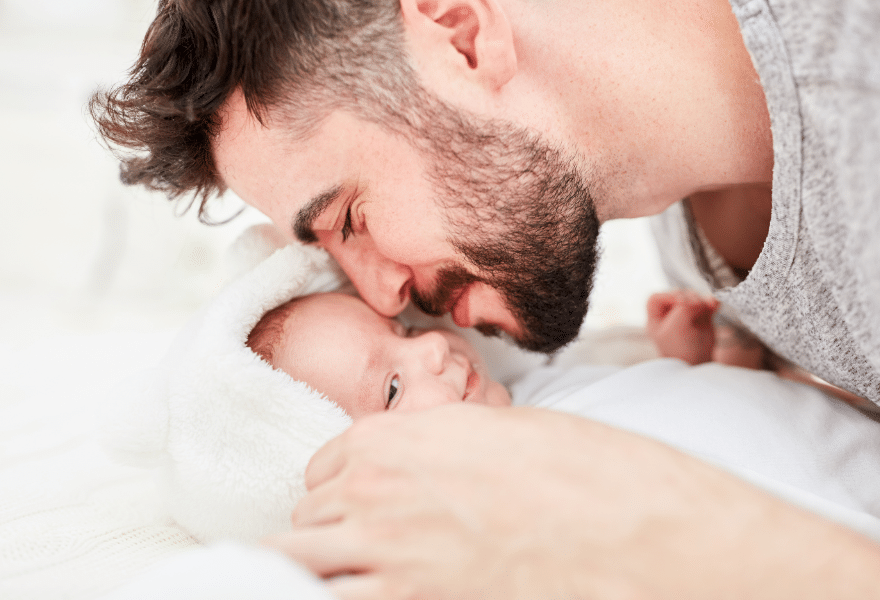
(471,38)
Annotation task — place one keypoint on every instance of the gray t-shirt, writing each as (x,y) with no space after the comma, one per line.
(813,296)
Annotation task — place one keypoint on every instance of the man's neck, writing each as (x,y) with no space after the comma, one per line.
(662,103)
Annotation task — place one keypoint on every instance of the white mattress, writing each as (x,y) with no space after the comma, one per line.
(72,524)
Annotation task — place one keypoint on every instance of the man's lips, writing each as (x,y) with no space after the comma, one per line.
(460,310)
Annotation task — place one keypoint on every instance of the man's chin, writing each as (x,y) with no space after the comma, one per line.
(457,307)
(542,344)
(525,343)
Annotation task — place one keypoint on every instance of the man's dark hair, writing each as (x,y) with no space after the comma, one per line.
(301,58)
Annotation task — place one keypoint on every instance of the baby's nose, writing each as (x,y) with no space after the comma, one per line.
(432,348)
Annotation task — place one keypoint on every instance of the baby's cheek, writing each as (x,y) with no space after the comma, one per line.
(497,395)
(427,398)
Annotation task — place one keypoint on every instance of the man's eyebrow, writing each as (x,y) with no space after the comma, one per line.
(303,222)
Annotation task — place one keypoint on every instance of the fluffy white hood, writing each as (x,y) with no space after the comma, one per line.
(230,437)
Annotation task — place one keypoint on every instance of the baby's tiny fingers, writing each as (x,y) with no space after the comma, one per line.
(660,304)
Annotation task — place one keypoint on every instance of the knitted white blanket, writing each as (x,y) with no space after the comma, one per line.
(73,524)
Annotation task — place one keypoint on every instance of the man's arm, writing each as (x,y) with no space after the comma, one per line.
(475,502)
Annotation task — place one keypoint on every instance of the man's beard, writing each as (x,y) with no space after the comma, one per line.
(518,210)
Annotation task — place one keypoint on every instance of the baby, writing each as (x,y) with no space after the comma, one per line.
(368,363)
(258,382)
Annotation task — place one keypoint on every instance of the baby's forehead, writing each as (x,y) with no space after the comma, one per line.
(333,313)
(333,306)
(329,340)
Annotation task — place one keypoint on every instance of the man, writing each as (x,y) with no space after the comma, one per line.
(462,153)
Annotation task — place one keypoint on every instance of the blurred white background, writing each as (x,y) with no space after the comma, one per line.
(81,252)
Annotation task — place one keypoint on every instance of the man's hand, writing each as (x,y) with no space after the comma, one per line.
(680,324)
(467,501)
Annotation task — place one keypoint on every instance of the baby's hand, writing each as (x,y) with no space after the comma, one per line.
(680,325)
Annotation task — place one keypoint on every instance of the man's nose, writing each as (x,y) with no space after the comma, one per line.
(382,283)
(431,349)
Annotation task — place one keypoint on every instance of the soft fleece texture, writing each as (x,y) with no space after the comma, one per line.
(230,436)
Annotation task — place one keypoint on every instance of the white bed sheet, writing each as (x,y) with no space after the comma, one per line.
(72,524)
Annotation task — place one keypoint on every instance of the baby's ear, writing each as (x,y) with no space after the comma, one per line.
(135,425)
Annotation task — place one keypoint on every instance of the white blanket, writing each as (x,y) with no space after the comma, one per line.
(785,437)
(73,524)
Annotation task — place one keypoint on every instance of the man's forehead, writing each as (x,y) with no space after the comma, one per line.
(272,170)
(324,135)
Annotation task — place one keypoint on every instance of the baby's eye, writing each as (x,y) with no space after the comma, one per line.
(392,390)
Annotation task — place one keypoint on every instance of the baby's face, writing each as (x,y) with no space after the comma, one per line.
(367,363)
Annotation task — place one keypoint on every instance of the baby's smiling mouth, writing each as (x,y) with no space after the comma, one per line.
(471,385)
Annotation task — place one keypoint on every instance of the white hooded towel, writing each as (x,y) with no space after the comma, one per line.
(230,436)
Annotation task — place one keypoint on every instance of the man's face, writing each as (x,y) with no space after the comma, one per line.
(493,248)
